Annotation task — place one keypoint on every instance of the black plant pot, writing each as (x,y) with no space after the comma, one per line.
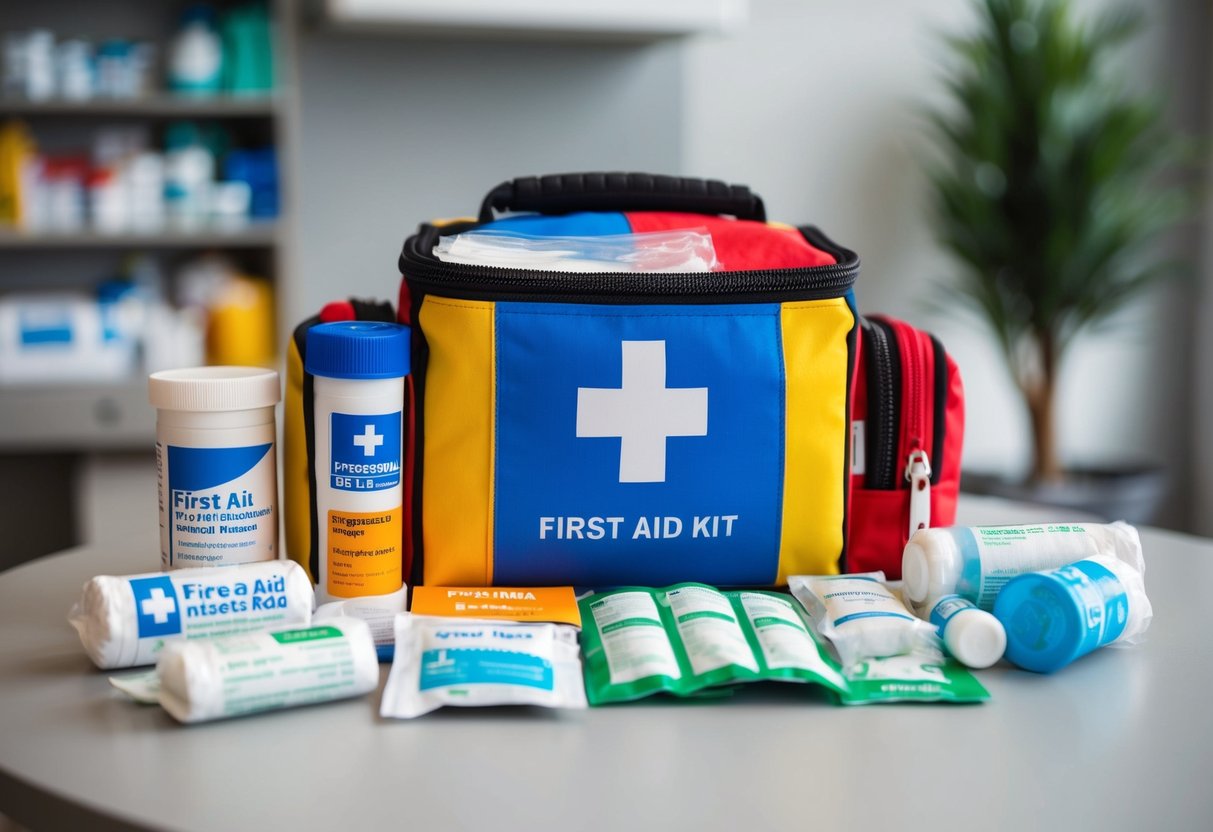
(1131,494)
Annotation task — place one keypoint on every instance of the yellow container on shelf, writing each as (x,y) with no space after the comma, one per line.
(240,328)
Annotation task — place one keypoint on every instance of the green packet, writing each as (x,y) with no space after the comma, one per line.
(686,638)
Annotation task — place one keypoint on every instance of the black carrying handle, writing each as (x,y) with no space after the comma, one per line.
(567,192)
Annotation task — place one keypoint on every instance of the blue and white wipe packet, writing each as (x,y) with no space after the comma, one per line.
(471,662)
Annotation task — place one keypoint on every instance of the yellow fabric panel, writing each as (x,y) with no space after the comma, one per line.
(815,366)
(296,500)
(457,492)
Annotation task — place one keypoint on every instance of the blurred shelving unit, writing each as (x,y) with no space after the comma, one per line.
(109,417)
(76,458)
(151,107)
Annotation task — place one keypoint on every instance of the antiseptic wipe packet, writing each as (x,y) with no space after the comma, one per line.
(690,637)
(470,662)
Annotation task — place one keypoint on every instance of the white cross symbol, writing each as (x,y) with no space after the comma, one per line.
(642,412)
(368,440)
(158,605)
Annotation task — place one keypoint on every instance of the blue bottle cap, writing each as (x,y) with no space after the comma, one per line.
(1044,622)
(358,350)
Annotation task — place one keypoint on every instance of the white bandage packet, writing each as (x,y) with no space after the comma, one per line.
(243,674)
(861,616)
(126,621)
(470,662)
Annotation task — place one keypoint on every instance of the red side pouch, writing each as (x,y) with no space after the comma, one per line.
(907,429)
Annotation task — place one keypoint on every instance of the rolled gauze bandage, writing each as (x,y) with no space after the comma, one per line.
(223,677)
(126,621)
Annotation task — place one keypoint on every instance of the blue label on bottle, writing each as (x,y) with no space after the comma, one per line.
(948,606)
(449,667)
(365,451)
(1104,602)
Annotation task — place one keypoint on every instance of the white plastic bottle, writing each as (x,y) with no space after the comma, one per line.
(973,636)
(195,59)
(215,463)
(975,562)
(358,403)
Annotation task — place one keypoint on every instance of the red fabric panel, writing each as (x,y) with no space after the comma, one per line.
(879,522)
(917,391)
(741,245)
(338,310)
(945,495)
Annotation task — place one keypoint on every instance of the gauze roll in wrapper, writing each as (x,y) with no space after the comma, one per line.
(265,671)
(126,621)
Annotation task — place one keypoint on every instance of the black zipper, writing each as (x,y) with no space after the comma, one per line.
(939,435)
(884,404)
(429,274)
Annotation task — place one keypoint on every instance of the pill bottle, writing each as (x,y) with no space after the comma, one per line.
(1053,618)
(973,636)
(216,467)
(976,561)
(359,370)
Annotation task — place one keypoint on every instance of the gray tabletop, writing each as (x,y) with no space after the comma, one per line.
(1122,739)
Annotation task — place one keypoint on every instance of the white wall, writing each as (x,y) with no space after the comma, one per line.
(397,131)
(817,106)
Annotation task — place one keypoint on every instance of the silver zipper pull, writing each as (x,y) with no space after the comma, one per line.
(918,474)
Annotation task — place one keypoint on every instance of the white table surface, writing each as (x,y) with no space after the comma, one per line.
(1122,739)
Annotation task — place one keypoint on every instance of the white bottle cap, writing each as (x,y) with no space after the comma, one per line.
(975,637)
(214,389)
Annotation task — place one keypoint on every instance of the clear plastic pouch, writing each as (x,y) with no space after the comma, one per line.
(686,250)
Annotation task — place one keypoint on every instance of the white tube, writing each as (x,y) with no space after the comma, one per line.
(975,562)
(861,616)
(124,621)
(244,674)
(973,636)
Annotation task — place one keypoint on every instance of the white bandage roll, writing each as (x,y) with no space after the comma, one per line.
(126,621)
(216,678)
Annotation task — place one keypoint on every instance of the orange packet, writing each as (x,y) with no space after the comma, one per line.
(521,603)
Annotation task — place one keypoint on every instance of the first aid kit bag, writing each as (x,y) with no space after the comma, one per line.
(634,379)
(618,426)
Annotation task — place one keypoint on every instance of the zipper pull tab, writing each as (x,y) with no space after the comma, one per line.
(918,474)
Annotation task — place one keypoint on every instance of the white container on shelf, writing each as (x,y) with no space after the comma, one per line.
(55,339)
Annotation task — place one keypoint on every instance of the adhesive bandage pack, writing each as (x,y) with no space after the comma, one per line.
(243,674)
(470,662)
(126,621)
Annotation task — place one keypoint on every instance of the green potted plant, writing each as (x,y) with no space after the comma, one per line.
(1051,196)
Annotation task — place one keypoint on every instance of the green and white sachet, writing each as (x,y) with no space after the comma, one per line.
(687,638)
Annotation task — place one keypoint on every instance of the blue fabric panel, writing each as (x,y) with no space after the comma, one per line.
(638,444)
